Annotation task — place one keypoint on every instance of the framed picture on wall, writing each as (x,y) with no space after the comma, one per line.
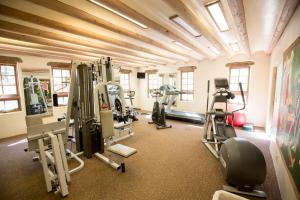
(288,130)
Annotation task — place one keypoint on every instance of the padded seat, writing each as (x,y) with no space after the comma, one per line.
(122,150)
(121,125)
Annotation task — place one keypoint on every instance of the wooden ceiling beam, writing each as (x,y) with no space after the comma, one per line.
(10,59)
(187,14)
(36,70)
(60,64)
(69,50)
(80,14)
(4,49)
(286,14)
(41,41)
(21,15)
(237,10)
(60,37)
(128,11)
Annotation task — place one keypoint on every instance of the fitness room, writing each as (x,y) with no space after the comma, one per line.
(150,99)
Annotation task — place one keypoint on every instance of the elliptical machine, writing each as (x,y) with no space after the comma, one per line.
(158,112)
(243,164)
(217,129)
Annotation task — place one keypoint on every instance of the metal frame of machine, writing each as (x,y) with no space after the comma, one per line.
(48,141)
(221,140)
(88,100)
(158,112)
(216,129)
(132,110)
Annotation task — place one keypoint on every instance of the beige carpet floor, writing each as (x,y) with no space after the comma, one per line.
(171,164)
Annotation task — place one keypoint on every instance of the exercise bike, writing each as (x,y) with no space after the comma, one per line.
(132,112)
(158,112)
(243,164)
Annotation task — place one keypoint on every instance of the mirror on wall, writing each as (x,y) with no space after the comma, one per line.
(37,91)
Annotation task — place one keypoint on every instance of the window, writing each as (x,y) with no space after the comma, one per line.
(237,75)
(171,80)
(152,82)
(9,93)
(187,86)
(125,81)
(61,84)
(160,80)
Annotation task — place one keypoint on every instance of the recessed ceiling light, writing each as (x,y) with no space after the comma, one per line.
(118,13)
(178,20)
(234,46)
(215,50)
(216,13)
(181,45)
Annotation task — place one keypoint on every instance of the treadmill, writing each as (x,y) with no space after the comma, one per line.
(170,95)
(193,117)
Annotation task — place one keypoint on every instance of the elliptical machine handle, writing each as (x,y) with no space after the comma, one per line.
(207,100)
(243,97)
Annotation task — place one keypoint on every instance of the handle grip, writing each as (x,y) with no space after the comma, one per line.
(242,93)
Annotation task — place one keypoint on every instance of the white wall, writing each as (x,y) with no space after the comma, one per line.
(291,33)
(210,69)
(288,37)
(12,124)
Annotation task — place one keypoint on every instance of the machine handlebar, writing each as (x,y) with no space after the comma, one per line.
(242,93)
(227,93)
(131,93)
(243,98)
(156,93)
(214,112)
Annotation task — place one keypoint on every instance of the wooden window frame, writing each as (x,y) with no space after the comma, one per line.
(186,91)
(11,97)
(148,86)
(60,94)
(128,74)
(246,93)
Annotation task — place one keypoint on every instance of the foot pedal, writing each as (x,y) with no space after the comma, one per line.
(256,193)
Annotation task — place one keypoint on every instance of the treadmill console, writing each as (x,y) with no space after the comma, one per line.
(221,83)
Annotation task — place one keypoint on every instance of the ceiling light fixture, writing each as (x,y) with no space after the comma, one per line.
(234,46)
(214,49)
(181,45)
(179,21)
(217,14)
(118,13)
